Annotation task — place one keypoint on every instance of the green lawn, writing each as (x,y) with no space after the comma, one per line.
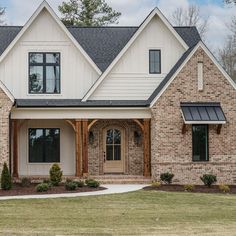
(136,213)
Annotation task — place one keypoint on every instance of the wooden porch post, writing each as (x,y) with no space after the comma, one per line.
(78,147)
(85,147)
(15,148)
(146,148)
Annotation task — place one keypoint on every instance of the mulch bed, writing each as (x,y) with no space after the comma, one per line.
(197,188)
(17,189)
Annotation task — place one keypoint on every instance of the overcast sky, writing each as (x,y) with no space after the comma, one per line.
(134,12)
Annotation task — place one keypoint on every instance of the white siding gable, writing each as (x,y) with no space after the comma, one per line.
(130,78)
(45,35)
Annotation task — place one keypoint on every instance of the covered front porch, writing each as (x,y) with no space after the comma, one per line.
(90,143)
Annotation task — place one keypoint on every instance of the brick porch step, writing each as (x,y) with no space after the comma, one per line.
(122,179)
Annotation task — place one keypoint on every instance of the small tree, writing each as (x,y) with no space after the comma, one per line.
(166,177)
(208,179)
(55,174)
(6,181)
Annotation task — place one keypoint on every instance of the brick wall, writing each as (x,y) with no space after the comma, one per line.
(133,152)
(171,150)
(5,108)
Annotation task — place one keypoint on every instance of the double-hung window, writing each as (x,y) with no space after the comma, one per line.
(154,61)
(200,142)
(44,73)
(44,145)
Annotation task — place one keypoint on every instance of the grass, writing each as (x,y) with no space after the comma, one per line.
(136,213)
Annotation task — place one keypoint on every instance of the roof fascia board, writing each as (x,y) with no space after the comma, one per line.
(155,12)
(45,5)
(7,92)
(207,51)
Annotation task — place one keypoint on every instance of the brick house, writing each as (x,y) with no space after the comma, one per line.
(103,101)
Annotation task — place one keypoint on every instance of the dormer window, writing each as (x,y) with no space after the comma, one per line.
(44,73)
(154,61)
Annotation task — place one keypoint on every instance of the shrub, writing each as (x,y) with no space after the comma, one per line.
(166,177)
(189,187)
(80,183)
(55,174)
(156,184)
(208,179)
(70,185)
(6,181)
(92,183)
(43,187)
(46,181)
(224,188)
(25,182)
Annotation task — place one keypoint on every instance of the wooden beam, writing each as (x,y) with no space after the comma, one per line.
(146,148)
(139,124)
(184,128)
(72,123)
(85,148)
(15,148)
(219,128)
(91,124)
(78,147)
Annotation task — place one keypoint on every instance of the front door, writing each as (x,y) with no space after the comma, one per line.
(113,150)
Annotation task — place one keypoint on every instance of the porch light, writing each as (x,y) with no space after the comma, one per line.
(91,137)
(137,137)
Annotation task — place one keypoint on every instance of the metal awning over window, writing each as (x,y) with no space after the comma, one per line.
(202,113)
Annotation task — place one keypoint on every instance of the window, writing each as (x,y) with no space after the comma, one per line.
(44,145)
(154,61)
(44,73)
(113,145)
(200,142)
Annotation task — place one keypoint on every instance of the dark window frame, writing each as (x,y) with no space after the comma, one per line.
(44,155)
(207,135)
(44,64)
(154,50)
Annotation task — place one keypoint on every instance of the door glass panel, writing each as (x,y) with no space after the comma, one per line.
(113,144)
(109,152)
(52,145)
(109,136)
(117,138)
(117,152)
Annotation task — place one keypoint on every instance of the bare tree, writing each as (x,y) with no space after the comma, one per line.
(227,55)
(190,16)
(230,1)
(2,14)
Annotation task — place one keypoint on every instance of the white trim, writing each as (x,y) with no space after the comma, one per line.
(210,55)
(204,122)
(155,12)
(81,113)
(7,92)
(45,5)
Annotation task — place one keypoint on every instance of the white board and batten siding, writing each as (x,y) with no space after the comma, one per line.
(45,35)
(130,79)
(67,149)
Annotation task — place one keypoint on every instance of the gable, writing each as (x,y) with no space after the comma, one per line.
(179,67)
(44,34)
(130,78)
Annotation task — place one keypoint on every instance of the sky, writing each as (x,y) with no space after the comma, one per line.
(134,12)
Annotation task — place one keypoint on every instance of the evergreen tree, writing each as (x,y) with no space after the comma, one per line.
(88,13)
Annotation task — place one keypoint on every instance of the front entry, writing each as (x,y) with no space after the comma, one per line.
(113,150)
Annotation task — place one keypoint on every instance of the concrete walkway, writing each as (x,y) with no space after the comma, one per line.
(111,189)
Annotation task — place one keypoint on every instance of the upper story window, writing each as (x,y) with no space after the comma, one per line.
(200,142)
(44,73)
(155,61)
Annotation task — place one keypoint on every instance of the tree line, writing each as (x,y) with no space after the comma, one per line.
(99,13)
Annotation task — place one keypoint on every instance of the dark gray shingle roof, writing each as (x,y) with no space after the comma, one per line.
(102,44)
(78,103)
(202,112)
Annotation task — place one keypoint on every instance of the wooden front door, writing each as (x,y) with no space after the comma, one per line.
(113,150)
